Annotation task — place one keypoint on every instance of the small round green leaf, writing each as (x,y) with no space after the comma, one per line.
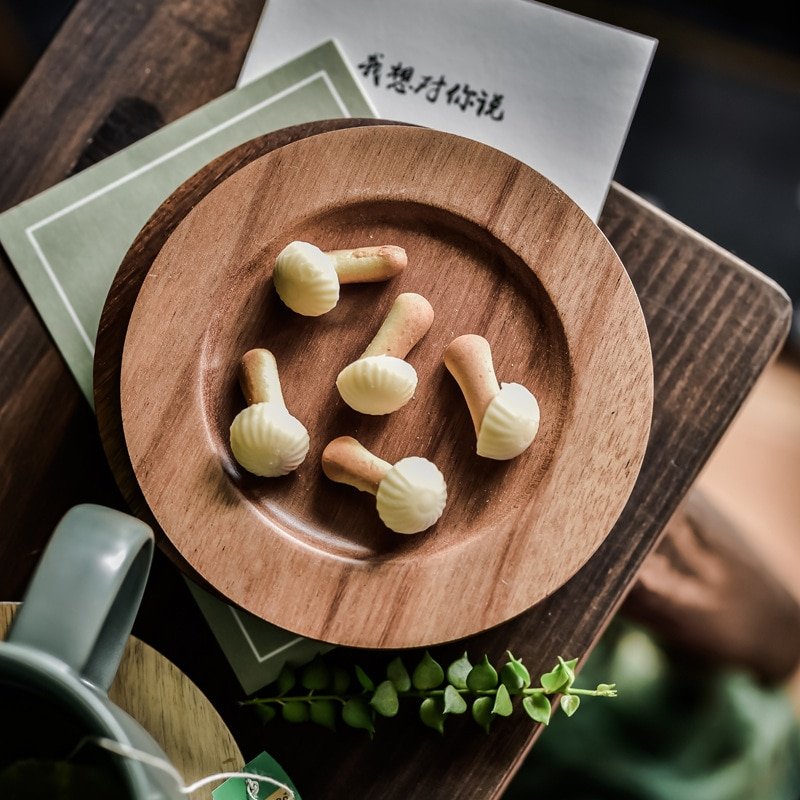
(295,711)
(341,680)
(357,714)
(397,673)
(385,701)
(570,665)
(366,682)
(431,714)
(323,712)
(454,703)
(266,713)
(556,680)
(482,712)
(570,703)
(502,702)
(428,674)
(511,679)
(315,676)
(457,672)
(482,676)
(519,669)
(286,680)
(537,707)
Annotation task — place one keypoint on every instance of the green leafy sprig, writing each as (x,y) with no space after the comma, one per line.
(324,694)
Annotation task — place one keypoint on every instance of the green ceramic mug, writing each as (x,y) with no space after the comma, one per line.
(63,651)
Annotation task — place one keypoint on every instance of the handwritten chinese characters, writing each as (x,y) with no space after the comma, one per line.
(403,79)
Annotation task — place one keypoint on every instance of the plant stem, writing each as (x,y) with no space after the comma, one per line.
(422,693)
(297,698)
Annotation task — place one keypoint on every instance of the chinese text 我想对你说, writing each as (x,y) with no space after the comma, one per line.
(402,79)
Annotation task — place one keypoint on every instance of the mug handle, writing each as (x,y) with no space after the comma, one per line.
(86,591)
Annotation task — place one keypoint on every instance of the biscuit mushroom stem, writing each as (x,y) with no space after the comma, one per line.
(258,377)
(505,416)
(345,460)
(380,381)
(469,360)
(265,438)
(368,264)
(307,280)
(409,319)
(410,495)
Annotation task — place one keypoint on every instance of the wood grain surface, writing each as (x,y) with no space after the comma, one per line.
(170,708)
(714,325)
(496,249)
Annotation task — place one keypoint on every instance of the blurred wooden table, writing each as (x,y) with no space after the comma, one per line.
(714,323)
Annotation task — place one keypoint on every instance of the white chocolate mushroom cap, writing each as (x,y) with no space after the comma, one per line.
(510,423)
(377,384)
(305,279)
(268,441)
(412,496)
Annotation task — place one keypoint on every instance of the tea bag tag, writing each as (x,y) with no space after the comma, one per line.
(252,786)
(251,789)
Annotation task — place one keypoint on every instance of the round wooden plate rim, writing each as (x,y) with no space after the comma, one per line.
(495,604)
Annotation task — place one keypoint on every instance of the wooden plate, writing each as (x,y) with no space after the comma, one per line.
(498,250)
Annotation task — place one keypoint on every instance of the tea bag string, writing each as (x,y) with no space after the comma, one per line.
(127,751)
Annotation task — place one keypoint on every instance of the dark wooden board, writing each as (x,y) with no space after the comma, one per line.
(642,236)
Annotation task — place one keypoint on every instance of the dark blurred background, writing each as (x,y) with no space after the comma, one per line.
(716,138)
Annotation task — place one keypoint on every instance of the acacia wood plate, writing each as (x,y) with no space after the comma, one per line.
(497,250)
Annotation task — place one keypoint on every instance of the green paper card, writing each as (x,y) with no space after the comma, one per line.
(67,243)
(256,649)
(244,789)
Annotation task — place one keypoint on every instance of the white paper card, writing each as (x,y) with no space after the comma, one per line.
(555,90)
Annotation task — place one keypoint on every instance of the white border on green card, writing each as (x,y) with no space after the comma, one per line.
(67,277)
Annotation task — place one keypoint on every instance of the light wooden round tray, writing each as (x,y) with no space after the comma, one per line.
(497,250)
(170,708)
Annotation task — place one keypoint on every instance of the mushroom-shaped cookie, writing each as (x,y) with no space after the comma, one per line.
(307,279)
(410,495)
(265,438)
(380,382)
(505,416)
